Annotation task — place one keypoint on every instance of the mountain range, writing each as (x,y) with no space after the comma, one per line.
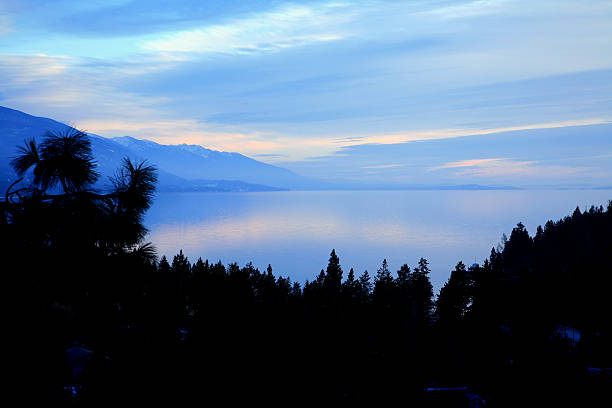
(188,168)
(180,167)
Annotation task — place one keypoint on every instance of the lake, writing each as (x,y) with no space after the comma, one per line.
(295,231)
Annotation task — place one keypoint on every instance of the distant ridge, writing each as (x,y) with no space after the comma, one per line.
(181,167)
(185,168)
(193,162)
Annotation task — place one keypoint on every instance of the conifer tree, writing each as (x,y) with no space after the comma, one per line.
(333,276)
(383,283)
(454,298)
(365,286)
(403,278)
(422,291)
(164,266)
(350,286)
(319,282)
(199,268)
(181,268)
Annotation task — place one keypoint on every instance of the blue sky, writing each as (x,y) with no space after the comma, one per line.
(330,88)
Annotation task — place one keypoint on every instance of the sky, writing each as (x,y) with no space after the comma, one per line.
(493,92)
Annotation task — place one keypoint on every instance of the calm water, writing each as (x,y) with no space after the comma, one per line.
(295,231)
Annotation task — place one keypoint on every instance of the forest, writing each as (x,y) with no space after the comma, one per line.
(102,320)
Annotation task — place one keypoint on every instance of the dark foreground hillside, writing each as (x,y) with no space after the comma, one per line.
(97,319)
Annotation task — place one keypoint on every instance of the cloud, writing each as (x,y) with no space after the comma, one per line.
(125,18)
(90,94)
(286,27)
(505,168)
(190,131)
(470,9)
(80,92)
(5,24)
(270,155)
(48,85)
(384,166)
(435,134)
(574,154)
(466,163)
(24,69)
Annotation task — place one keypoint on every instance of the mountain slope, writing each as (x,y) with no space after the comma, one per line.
(181,168)
(193,162)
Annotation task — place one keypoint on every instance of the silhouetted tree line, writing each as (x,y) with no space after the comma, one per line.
(536,314)
(103,321)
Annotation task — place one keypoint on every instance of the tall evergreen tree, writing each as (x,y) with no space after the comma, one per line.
(350,286)
(333,276)
(383,281)
(365,287)
(164,266)
(422,291)
(454,298)
(181,267)
(403,278)
(319,282)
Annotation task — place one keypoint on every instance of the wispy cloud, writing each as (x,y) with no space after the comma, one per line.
(384,166)
(434,134)
(286,27)
(26,69)
(270,155)
(504,168)
(470,9)
(191,131)
(5,24)
(466,163)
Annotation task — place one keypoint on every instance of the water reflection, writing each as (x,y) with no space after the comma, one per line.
(265,229)
(295,231)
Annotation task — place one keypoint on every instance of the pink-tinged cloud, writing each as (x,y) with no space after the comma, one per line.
(384,166)
(466,163)
(435,134)
(502,167)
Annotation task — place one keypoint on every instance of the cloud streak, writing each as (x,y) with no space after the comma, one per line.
(286,27)
(384,166)
(25,69)
(5,24)
(493,168)
(467,10)
(468,163)
(435,134)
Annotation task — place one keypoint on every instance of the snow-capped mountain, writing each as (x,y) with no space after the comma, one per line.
(181,167)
